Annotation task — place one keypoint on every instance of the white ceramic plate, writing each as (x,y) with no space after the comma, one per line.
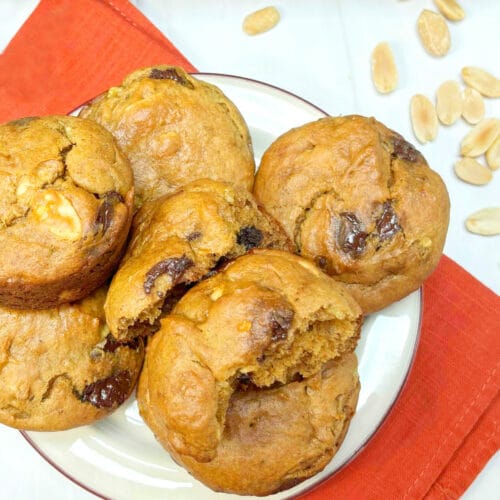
(119,457)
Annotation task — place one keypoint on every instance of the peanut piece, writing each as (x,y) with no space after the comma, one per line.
(480,138)
(384,70)
(493,154)
(423,118)
(449,102)
(473,106)
(450,9)
(261,20)
(485,221)
(434,33)
(482,81)
(473,172)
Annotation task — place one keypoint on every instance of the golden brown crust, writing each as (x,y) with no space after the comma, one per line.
(360,201)
(267,318)
(276,438)
(66,195)
(59,368)
(175,129)
(179,239)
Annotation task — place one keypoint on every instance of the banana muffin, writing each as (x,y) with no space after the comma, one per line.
(268,319)
(274,439)
(360,201)
(60,368)
(66,197)
(175,129)
(179,239)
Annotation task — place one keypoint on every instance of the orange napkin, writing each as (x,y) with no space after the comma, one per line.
(442,430)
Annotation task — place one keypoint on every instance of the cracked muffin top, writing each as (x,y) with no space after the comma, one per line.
(175,129)
(60,368)
(359,200)
(66,196)
(268,318)
(179,239)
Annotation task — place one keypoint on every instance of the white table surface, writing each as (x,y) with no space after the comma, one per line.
(321,51)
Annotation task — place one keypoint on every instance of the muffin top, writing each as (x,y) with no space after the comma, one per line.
(66,193)
(175,128)
(359,200)
(60,368)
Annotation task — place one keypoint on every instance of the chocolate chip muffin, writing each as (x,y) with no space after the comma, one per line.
(359,200)
(274,439)
(176,241)
(175,129)
(60,368)
(66,194)
(268,319)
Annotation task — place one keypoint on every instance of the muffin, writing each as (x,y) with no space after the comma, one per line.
(276,438)
(66,196)
(179,239)
(268,319)
(360,201)
(60,368)
(175,129)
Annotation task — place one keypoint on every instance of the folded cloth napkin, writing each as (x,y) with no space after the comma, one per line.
(442,430)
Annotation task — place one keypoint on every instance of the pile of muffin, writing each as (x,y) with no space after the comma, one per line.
(136,246)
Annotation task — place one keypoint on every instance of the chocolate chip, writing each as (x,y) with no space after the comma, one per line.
(388,223)
(351,237)
(404,150)
(173,296)
(193,236)
(249,237)
(112,344)
(321,262)
(174,267)
(170,74)
(108,392)
(106,210)
(280,321)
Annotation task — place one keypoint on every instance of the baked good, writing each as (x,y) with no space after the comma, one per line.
(179,239)
(276,438)
(60,368)
(269,318)
(66,194)
(359,200)
(175,129)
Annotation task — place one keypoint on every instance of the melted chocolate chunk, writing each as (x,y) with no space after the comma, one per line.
(170,74)
(280,321)
(351,237)
(174,267)
(108,392)
(404,150)
(321,262)
(388,223)
(249,237)
(112,344)
(107,209)
(193,236)
(173,296)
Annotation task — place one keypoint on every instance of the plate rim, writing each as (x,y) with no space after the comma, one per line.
(390,408)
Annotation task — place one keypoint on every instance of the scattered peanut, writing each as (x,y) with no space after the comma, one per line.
(493,154)
(450,9)
(449,102)
(482,81)
(434,33)
(384,70)
(480,138)
(473,106)
(485,221)
(261,20)
(473,172)
(423,118)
